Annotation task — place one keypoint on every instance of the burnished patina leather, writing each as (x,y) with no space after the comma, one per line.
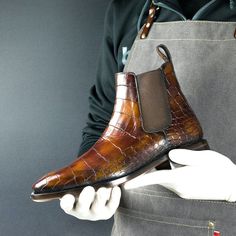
(125,149)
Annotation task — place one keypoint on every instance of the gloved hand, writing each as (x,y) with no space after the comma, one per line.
(92,205)
(206,175)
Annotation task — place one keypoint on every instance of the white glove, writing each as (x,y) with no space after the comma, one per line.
(91,205)
(206,175)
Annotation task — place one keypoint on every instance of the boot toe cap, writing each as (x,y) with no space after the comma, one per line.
(46,184)
(61,180)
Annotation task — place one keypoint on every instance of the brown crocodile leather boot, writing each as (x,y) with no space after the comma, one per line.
(151,116)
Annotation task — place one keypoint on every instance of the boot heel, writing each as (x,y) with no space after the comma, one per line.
(200,145)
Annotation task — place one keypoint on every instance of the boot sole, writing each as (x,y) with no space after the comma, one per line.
(161,159)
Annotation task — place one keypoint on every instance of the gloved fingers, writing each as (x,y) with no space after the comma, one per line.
(114,200)
(204,188)
(157,177)
(185,181)
(91,205)
(198,158)
(101,197)
(67,202)
(205,182)
(85,200)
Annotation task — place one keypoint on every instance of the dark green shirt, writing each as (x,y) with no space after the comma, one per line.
(122,21)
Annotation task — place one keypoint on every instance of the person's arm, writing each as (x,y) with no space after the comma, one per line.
(102,93)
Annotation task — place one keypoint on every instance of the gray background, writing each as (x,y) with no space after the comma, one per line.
(48,56)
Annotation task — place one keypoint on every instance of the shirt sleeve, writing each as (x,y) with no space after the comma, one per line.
(102,93)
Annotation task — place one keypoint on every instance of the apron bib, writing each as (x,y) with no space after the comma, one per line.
(204,58)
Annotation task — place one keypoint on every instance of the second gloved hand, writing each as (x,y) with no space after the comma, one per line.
(92,205)
(204,175)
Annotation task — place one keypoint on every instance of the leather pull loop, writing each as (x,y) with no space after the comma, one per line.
(166,55)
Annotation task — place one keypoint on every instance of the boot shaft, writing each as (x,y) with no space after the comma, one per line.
(153,102)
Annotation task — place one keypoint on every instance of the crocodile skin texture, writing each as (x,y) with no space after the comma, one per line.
(124,146)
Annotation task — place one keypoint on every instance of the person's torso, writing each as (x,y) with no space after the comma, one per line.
(128,19)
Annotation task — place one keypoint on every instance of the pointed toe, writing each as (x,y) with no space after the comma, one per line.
(39,185)
(46,183)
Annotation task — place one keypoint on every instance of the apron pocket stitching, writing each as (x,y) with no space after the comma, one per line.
(191,39)
(194,21)
(166,222)
(179,198)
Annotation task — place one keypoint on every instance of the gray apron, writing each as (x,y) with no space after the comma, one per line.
(204,58)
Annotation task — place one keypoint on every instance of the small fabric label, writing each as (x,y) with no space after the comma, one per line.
(216,233)
(125,53)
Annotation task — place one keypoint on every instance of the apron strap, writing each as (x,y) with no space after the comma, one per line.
(150,19)
(166,55)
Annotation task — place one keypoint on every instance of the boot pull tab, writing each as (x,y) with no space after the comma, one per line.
(164,55)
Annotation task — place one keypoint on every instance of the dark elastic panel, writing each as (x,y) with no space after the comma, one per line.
(153,101)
